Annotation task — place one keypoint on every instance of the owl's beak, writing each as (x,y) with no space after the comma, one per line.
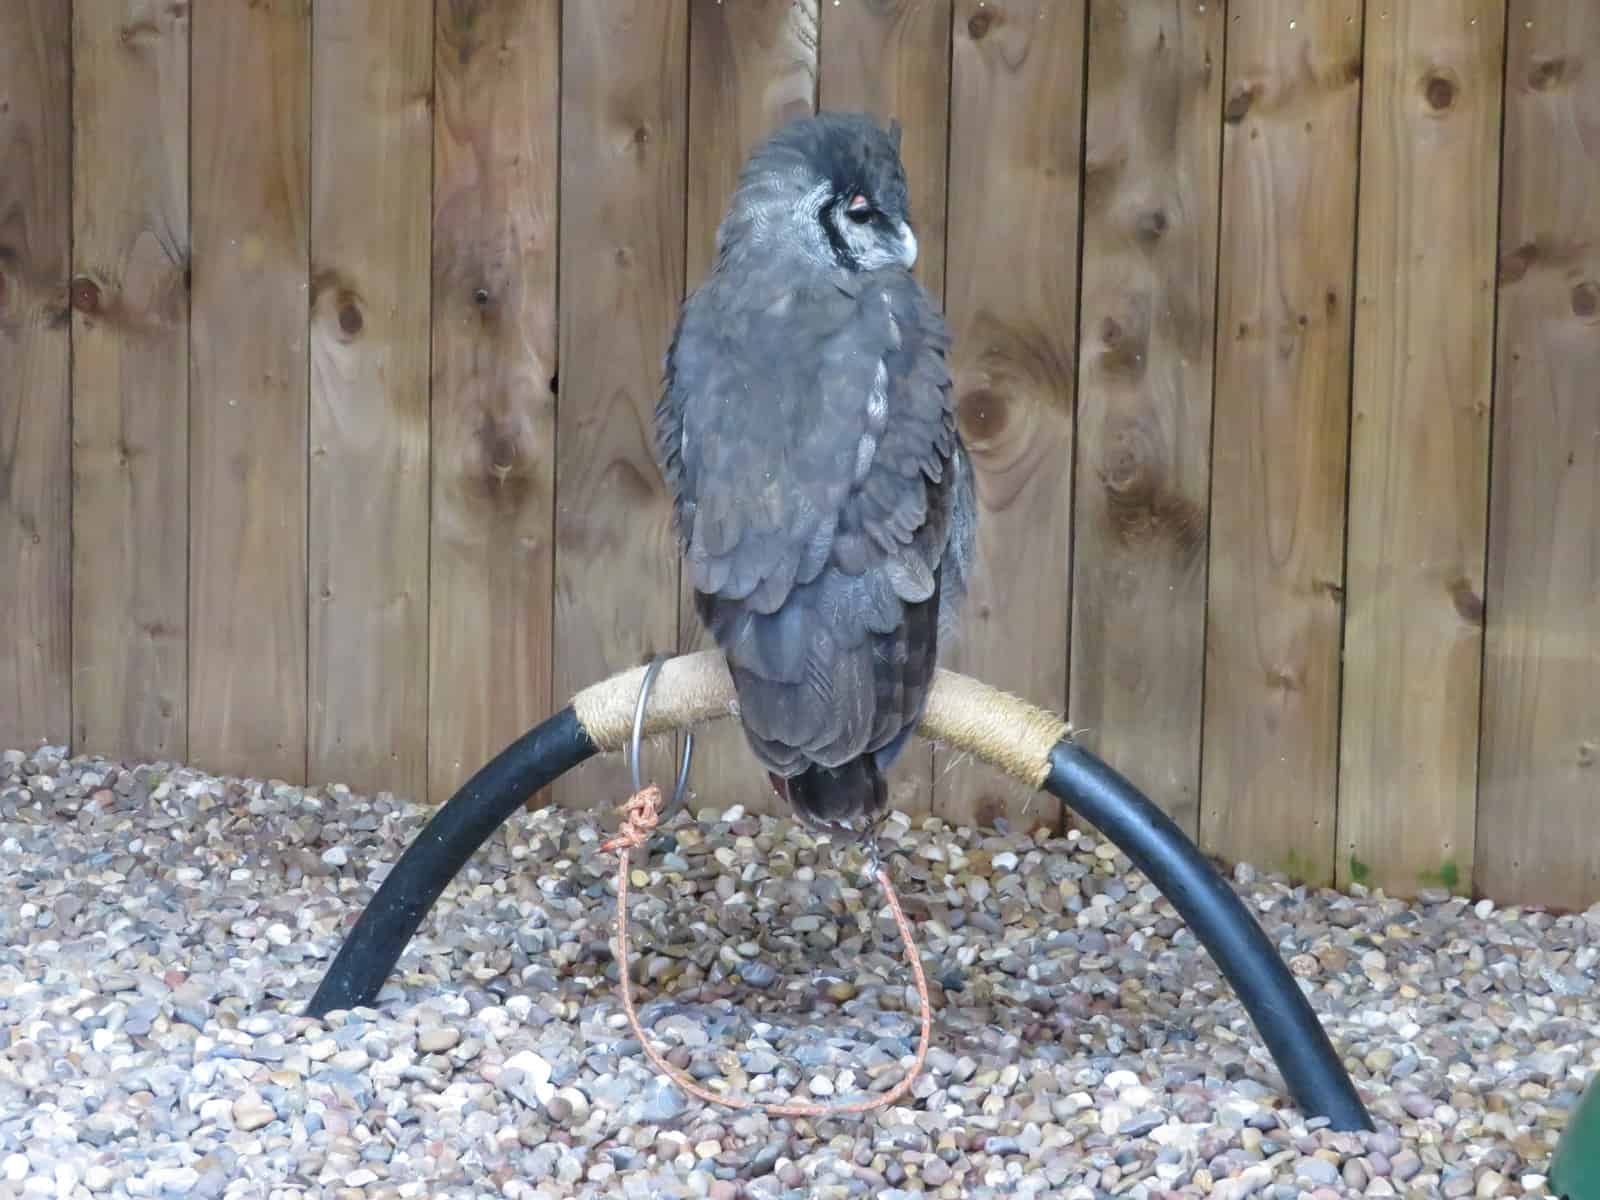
(908,246)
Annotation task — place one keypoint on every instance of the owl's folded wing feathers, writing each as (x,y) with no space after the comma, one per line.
(812,460)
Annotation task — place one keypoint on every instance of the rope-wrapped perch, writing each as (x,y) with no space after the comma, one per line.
(962,713)
(1002,730)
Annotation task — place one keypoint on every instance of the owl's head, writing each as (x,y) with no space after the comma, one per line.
(827,190)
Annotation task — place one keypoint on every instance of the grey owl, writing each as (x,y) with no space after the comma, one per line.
(822,497)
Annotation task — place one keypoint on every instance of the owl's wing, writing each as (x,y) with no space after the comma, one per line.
(816,473)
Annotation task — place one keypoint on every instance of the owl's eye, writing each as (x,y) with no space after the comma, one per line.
(859,210)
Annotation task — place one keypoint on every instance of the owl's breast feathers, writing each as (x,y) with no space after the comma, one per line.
(824,506)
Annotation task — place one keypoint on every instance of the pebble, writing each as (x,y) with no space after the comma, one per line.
(527,1077)
(438,1039)
(251,1112)
(758,974)
(568,1106)
(1084,1046)
(663,1102)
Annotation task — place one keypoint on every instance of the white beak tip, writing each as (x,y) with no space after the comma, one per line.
(908,246)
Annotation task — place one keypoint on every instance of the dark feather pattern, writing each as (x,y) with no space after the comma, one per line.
(822,497)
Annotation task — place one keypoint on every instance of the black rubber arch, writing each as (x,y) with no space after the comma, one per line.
(1282,1016)
(481,806)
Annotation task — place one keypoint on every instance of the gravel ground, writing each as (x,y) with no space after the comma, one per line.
(161,928)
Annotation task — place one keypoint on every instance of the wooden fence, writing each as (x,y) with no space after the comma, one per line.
(1278,348)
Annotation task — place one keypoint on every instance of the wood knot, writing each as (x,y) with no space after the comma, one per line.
(1546,75)
(1142,505)
(1238,105)
(1439,90)
(350,321)
(1123,349)
(1469,605)
(1150,226)
(85,295)
(1282,679)
(503,476)
(983,415)
(624,257)
(1586,299)
(978,26)
(1129,470)
(136,31)
(480,297)
(1515,265)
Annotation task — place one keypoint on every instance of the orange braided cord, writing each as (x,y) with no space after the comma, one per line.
(641,813)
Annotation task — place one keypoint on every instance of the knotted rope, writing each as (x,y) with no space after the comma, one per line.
(641,814)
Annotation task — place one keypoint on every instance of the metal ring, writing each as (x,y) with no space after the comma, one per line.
(638,737)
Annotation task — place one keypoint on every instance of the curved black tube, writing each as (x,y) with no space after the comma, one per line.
(482,804)
(1282,1015)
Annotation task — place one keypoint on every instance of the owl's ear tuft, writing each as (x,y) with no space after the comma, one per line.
(894,133)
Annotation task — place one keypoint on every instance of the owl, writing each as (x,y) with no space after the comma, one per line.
(822,497)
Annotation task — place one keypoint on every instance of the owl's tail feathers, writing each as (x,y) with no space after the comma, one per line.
(848,794)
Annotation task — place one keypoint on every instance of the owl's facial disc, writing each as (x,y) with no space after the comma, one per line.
(864,237)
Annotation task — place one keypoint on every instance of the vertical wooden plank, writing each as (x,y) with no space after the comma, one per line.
(130,379)
(891,58)
(1419,444)
(250,139)
(1016,125)
(371,155)
(1144,404)
(624,102)
(752,66)
(1280,437)
(497,86)
(35,447)
(1541,716)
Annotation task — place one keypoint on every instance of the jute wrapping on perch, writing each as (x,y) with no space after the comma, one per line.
(995,726)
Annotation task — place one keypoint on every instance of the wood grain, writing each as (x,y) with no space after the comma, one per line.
(250,138)
(1151,163)
(1541,716)
(752,66)
(1419,444)
(891,58)
(1281,438)
(1015,135)
(494,374)
(130,380)
(35,447)
(624,103)
(371,154)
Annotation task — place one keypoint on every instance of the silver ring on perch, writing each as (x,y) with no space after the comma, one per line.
(636,743)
